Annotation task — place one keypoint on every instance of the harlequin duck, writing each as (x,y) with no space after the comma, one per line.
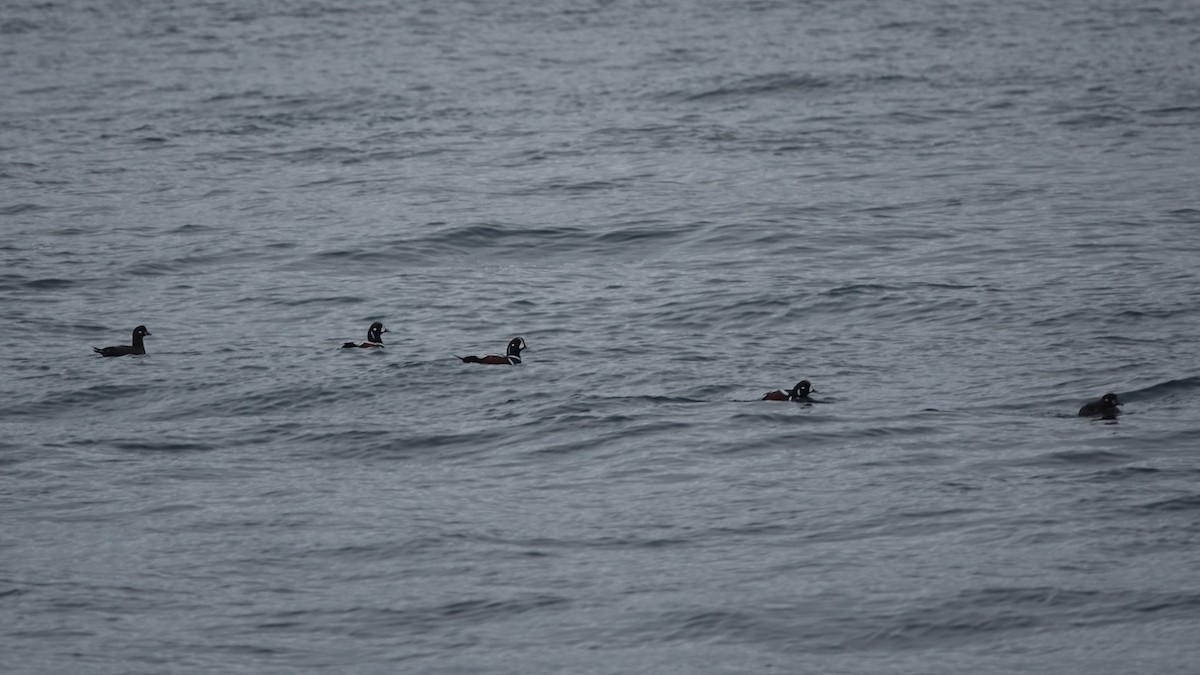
(1105,408)
(512,358)
(121,350)
(374,337)
(798,393)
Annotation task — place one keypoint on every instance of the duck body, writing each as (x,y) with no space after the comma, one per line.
(797,393)
(123,350)
(1106,407)
(374,338)
(512,356)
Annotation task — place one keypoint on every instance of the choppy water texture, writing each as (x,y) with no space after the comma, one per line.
(959,220)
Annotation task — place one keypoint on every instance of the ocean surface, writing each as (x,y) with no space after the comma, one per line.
(959,220)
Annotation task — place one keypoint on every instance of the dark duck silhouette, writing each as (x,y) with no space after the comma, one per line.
(121,350)
(374,338)
(1105,408)
(511,358)
(798,393)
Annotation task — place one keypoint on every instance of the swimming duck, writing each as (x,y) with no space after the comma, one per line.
(511,358)
(121,350)
(798,393)
(374,337)
(1105,408)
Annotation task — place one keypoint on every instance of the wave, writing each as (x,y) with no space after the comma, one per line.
(439,242)
(17,209)
(1166,390)
(1181,503)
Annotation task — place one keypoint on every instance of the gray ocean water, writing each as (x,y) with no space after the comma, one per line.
(959,220)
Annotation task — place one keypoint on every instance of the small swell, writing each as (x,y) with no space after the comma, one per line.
(1183,503)
(775,83)
(15,209)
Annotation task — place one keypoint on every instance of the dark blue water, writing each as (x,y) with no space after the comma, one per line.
(961,221)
